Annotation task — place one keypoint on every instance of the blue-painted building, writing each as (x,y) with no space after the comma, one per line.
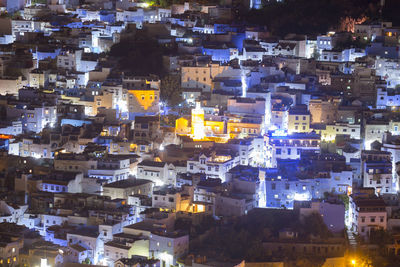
(42,54)
(306,179)
(54,186)
(218,53)
(379,49)
(107,16)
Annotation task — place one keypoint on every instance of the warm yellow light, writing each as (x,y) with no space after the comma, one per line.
(222,158)
(133,147)
(353,262)
(198,129)
(200,208)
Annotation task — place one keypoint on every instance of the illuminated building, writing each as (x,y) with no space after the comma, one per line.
(374,131)
(280,112)
(244,127)
(284,187)
(196,77)
(213,165)
(182,126)
(103,100)
(144,95)
(366,214)
(330,131)
(169,247)
(44,256)
(198,129)
(89,238)
(324,111)
(298,121)
(378,175)
(171,199)
(161,173)
(143,102)
(280,145)
(120,97)
(124,188)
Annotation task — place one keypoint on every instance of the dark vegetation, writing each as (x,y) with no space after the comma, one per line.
(171,90)
(243,238)
(318,16)
(139,54)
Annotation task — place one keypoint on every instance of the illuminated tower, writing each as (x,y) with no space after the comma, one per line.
(198,132)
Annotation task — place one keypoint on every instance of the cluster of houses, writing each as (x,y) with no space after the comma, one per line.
(93,171)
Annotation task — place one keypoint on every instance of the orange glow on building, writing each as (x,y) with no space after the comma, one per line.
(349,190)
(6,136)
(145,98)
(214,127)
(182,126)
(241,129)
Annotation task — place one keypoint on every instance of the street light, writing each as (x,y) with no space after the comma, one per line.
(353,262)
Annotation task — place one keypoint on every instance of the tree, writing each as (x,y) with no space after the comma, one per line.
(139,54)
(171,91)
(87,261)
(13,72)
(293,16)
(314,225)
(380,237)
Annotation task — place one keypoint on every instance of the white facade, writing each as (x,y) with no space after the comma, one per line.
(158,172)
(367,215)
(168,248)
(216,167)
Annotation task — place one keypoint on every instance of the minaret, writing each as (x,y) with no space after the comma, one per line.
(198,130)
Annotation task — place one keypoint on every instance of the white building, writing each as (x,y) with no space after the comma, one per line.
(214,166)
(280,145)
(89,239)
(168,247)
(69,59)
(366,215)
(158,172)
